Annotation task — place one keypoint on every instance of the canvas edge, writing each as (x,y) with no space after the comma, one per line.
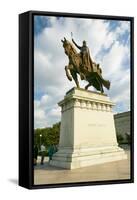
(29,93)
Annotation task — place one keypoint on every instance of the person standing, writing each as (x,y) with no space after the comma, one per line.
(42,150)
(35,154)
(50,152)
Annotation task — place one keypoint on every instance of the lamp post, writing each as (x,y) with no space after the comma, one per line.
(40,139)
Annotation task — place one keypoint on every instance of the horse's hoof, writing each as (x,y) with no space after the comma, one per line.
(70,78)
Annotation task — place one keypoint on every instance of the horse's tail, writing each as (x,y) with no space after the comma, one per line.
(106,83)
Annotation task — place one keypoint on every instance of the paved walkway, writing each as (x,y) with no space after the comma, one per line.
(46,174)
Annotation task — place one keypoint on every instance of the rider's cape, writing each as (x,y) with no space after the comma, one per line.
(87,61)
(89,65)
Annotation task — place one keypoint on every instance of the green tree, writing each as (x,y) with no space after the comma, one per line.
(49,135)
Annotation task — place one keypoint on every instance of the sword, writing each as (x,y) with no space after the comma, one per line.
(71,35)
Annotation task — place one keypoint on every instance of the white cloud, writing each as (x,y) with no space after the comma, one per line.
(39,115)
(45,111)
(50,60)
(112,62)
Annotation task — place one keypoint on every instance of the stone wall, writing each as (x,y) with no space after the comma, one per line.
(122,125)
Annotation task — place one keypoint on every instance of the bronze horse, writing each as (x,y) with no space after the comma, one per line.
(94,77)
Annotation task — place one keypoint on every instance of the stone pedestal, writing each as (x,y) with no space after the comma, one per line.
(87,135)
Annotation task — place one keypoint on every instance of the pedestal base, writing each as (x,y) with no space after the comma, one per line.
(69,159)
(87,135)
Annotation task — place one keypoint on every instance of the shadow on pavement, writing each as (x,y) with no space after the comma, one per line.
(46,166)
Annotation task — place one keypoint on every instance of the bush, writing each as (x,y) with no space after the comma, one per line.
(120,139)
(128,138)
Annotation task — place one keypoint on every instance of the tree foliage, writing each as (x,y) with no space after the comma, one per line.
(47,136)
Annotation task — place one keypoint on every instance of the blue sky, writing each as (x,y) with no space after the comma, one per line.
(109,44)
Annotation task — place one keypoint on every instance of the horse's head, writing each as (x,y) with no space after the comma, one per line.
(66,45)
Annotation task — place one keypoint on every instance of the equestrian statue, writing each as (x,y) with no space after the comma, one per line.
(82,64)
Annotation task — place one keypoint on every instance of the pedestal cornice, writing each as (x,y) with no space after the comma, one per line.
(80,98)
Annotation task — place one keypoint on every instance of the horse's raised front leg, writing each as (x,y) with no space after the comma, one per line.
(68,73)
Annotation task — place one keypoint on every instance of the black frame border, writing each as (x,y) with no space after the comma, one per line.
(26,139)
